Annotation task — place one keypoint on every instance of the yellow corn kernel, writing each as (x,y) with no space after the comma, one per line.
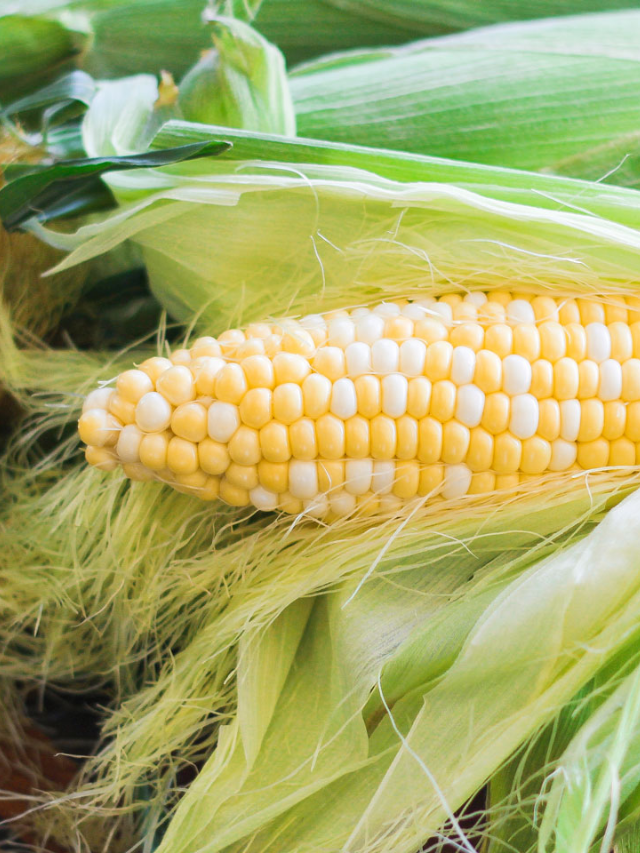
(153,450)
(383,437)
(576,341)
(497,410)
(244,446)
(102,458)
(468,335)
(357,438)
(541,379)
(431,479)
(526,341)
(123,410)
(330,474)
(287,403)
(274,442)
(430,437)
(591,420)
(407,481)
(499,339)
(259,372)
(443,400)
(274,476)
(182,456)
(418,397)
(589,378)
(204,371)
(634,328)
(615,420)
(430,330)
(482,483)
(621,341)
(304,442)
(316,395)
(243,476)
(480,454)
(553,341)
(180,357)
(593,454)
(545,308)
(133,384)
(398,328)
(507,482)
(622,452)
(488,371)
(330,362)
(507,453)
(502,297)
(230,384)
(253,346)
(407,429)
(491,313)
(616,311)
(99,428)
(566,379)
(299,342)
(233,495)
(331,437)
(455,442)
(549,419)
(290,367)
(189,421)
(256,407)
(590,311)
(154,367)
(176,385)
(213,456)
(438,361)
(569,311)
(536,455)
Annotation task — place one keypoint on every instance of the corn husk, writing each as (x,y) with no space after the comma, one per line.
(240,83)
(124,43)
(556,95)
(321,678)
(32,49)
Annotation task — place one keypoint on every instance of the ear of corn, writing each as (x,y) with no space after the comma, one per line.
(241,83)
(123,42)
(520,95)
(374,408)
(481,561)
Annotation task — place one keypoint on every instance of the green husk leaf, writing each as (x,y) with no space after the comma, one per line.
(32,49)
(75,86)
(50,190)
(534,95)
(595,776)
(337,236)
(242,83)
(123,41)
(381,802)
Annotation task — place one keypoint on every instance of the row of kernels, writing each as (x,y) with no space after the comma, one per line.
(514,374)
(239,485)
(394,320)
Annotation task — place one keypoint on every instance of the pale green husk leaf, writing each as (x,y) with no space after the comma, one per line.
(241,83)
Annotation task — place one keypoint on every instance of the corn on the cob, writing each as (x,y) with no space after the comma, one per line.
(370,408)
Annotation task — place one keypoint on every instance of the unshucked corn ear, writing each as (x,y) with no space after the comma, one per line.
(529,95)
(241,83)
(375,407)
